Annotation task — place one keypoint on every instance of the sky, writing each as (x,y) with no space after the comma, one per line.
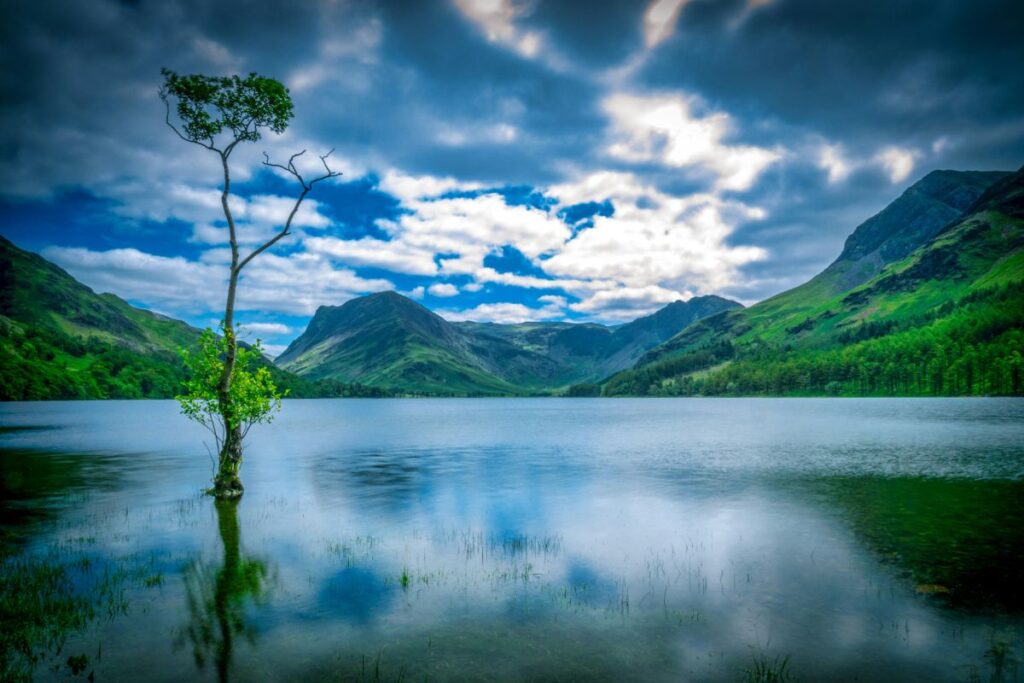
(503,160)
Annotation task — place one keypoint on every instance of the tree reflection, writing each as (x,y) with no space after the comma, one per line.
(218,596)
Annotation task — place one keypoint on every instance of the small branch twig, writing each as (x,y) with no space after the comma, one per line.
(307,186)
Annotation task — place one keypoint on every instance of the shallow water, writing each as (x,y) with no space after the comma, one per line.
(523,539)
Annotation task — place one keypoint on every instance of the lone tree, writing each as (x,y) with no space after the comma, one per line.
(217,114)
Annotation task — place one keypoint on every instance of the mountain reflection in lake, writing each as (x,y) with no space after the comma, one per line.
(520,539)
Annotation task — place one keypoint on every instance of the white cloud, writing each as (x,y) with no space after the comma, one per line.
(653,239)
(497,19)
(898,162)
(409,188)
(505,312)
(416,292)
(272,351)
(443,289)
(464,230)
(655,248)
(211,51)
(665,129)
(266,328)
(749,8)
(295,284)
(495,134)
(660,20)
(628,303)
(397,255)
(832,159)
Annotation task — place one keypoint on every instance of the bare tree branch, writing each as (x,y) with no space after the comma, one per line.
(306,188)
(329,173)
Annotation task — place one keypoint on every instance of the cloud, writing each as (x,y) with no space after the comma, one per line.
(396,255)
(897,162)
(654,247)
(272,351)
(628,303)
(266,328)
(506,313)
(296,284)
(832,159)
(443,289)
(410,188)
(653,238)
(666,108)
(497,19)
(660,20)
(665,128)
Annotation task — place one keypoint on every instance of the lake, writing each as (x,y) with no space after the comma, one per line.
(519,539)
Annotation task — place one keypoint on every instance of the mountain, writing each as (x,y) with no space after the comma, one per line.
(927,298)
(35,292)
(61,340)
(387,340)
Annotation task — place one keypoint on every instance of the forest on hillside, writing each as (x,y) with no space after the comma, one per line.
(969,347)
(44,363)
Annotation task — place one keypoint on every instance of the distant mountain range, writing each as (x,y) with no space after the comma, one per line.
(926,298)
(390,341)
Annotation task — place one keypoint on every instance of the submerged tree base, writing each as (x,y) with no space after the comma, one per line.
(226,490)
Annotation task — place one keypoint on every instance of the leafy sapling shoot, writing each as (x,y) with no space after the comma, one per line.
(218,113)
(254,396)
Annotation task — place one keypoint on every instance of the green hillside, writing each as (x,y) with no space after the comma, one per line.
(386,340)
(917,304)
(61,340)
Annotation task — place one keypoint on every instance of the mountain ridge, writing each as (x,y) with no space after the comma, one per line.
(59,339)
(427,353)
(950,309)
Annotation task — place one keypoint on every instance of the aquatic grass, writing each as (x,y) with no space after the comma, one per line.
(477,544)
(1001,660)
(46,597)
(765,670)
(374,673)
(404,579)
(38,610)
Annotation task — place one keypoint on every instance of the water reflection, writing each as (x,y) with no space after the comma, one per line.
(955,540)
(548,540)
(219,596)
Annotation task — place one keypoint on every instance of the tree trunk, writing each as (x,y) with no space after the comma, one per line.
(227,483)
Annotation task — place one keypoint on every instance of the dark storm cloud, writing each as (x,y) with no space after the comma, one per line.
(866,73)
(422,88)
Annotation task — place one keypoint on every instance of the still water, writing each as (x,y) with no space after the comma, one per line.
(519,539)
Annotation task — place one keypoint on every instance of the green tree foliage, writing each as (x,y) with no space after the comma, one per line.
(254,396)
(39,363)
(207,105)
(42,363)
(583,390)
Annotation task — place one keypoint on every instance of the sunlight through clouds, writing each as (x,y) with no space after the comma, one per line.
(665,128)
